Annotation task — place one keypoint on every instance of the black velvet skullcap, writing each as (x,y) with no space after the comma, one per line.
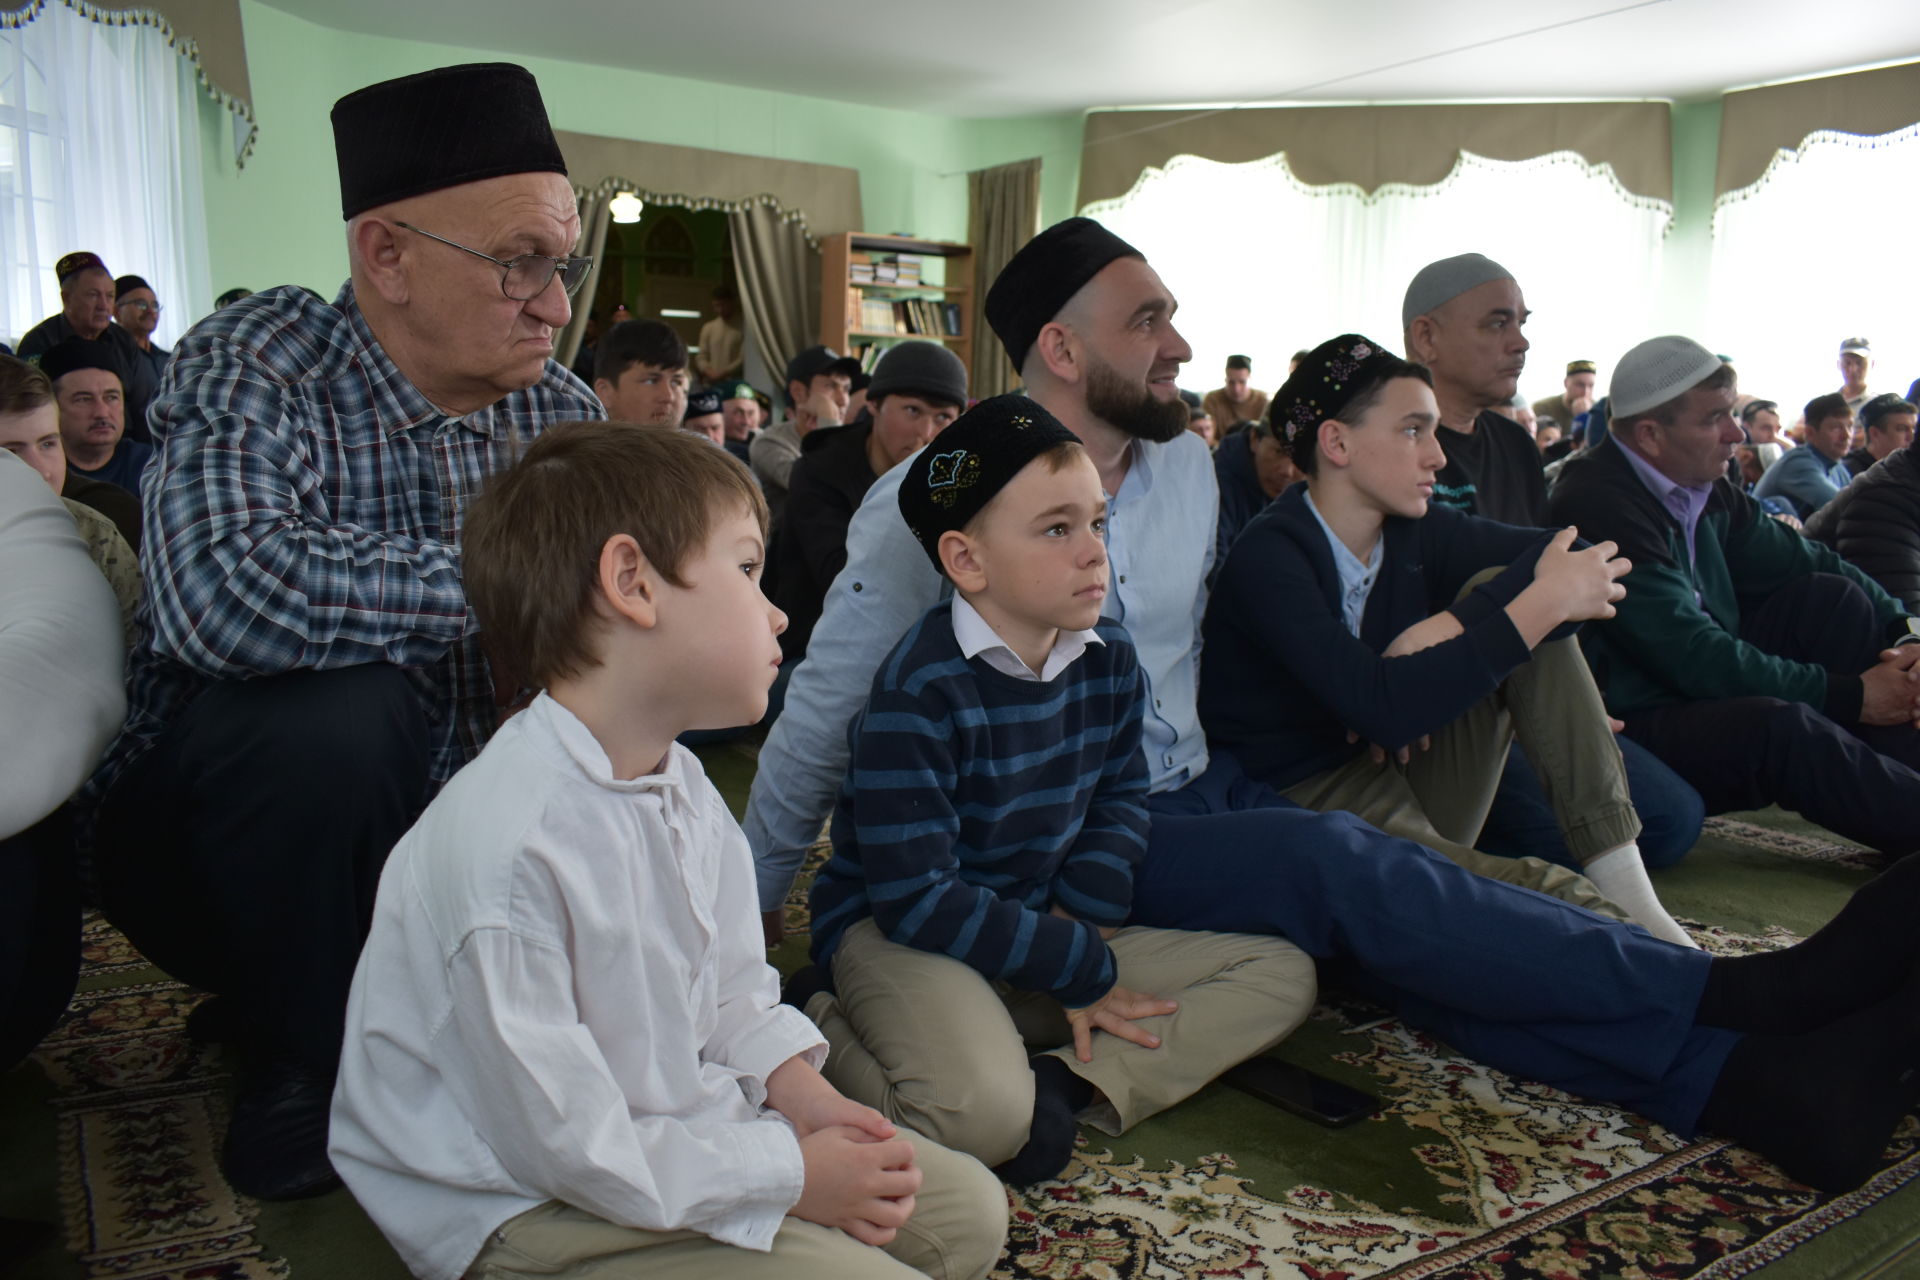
(1326,382)
(63,358)
(1048,270)
(439,129)
(127,284)
(952,480)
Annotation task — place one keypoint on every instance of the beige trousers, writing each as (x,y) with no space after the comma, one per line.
(958,1227)
(929,1043)
(1440,798)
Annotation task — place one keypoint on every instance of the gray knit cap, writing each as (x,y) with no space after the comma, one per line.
(1657,371)
(920,368)
(1439,283)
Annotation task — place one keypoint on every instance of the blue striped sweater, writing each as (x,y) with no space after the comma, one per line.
(975,802)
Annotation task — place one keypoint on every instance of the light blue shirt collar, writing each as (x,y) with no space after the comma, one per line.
(1356,579)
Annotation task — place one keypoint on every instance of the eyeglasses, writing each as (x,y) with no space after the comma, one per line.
(527,276)
(144,308)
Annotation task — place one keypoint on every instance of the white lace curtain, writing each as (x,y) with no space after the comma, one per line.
(1264,264)
(1820,249)
(100,150)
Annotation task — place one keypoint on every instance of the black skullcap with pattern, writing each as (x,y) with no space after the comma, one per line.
(952,480)
(1324,384)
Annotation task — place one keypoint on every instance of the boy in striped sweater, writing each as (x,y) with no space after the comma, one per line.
(985,840)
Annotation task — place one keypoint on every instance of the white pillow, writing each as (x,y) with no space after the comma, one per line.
(62,652)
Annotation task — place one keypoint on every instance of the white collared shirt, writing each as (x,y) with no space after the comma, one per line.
(565,996)
(979,640)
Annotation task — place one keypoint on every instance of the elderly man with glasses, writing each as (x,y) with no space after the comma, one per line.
(309,672)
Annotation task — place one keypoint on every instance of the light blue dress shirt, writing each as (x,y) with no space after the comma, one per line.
(1356,579)
(1160,534)
(1806,478)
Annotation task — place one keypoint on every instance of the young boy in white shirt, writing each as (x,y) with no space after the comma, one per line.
(565,1051)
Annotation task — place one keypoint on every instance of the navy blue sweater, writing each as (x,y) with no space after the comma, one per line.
(1283,680)
(974,802)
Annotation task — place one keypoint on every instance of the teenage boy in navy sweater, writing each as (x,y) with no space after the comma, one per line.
(1353,610)
(985,839)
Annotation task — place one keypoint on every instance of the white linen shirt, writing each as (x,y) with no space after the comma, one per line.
(1161,527)
(565,996)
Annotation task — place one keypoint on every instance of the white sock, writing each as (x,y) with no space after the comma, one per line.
(1621,877)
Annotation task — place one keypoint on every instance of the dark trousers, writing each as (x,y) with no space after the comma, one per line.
(1521,823)
(1858,781)
(1534,986)
(242,852)
(39,934)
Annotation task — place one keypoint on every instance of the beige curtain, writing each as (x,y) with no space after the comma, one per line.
(1372,146)
(595,212)
(1003,213)
(696,178)
(1756,123)
(779,281)
(206,31)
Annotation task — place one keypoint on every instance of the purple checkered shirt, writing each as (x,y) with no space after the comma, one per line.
(305,512)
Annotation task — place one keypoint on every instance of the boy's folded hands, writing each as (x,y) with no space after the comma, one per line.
(864,1187)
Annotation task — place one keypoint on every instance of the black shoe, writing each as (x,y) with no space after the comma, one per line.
(276,1145)
(806,983)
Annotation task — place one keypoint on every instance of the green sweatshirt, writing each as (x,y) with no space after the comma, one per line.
(1676,636)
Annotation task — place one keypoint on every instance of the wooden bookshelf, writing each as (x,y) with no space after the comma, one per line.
(938,301)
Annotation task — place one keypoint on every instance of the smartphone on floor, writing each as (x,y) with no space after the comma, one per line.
(1304,1093)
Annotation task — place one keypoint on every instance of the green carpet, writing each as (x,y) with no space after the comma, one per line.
(110,1134)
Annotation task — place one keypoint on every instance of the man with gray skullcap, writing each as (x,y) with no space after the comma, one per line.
(1760,665)
(1463,317)
(308,671)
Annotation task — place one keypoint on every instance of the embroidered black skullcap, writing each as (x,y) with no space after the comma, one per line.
(1326,382)
(703,403)
(63,358)
(1048,270)
(952,480)
(74,263)
(439,129)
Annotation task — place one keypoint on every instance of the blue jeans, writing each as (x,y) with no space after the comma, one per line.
(1521,823)
(1523,982)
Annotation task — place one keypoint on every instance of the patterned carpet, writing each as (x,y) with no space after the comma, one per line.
(1465,1173)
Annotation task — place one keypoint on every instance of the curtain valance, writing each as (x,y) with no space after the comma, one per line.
(1372,146)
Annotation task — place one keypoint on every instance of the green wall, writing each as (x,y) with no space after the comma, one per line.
(1696,153)
(278,220)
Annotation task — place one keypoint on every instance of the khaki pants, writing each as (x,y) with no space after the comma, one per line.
(929,1043)
(1440,798)
(958,1227)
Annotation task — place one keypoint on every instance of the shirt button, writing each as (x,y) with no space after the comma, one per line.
(856,586)
(1156,704)
(1169,762)
(1123,577)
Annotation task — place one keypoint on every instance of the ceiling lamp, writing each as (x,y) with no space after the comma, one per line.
(626,207)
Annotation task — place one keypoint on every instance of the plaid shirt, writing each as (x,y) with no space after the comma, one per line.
(305,512)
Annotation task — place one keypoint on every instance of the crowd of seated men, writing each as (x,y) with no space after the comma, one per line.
(362,627)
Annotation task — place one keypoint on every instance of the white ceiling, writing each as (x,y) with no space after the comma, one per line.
(979,58)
